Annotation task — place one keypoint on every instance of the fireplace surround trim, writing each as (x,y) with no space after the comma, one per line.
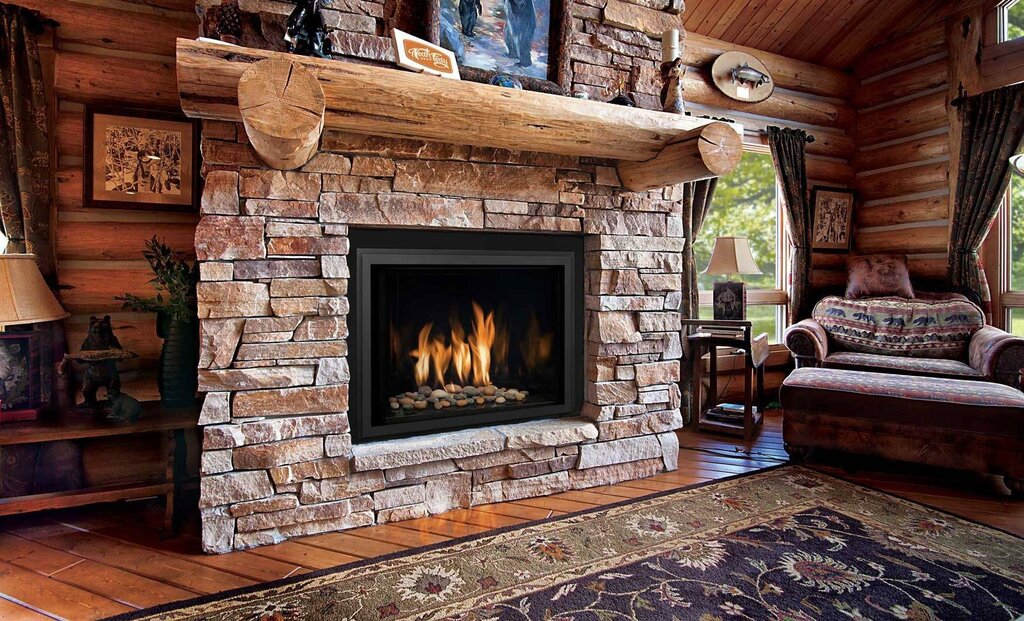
(371,248)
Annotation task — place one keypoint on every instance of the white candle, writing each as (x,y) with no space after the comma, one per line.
(669,45)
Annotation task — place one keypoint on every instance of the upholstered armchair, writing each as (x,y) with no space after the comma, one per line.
(937,336)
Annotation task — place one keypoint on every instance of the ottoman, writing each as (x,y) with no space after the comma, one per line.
(962,424)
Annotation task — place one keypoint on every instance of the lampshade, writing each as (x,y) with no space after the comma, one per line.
(24,296)
(731,255)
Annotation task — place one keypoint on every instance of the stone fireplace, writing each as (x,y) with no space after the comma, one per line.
(333,296)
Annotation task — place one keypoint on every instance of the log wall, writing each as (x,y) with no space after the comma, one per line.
(902,160)
(118,53)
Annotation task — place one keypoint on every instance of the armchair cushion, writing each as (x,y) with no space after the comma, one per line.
(922,328)
(926,367)
(808,341)
(997,354)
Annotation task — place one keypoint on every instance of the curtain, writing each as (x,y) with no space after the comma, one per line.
(25,173)
(697,198)
(24,139)
(993,126)
(788,146)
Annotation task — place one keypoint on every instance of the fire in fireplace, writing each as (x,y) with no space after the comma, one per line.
(453,330)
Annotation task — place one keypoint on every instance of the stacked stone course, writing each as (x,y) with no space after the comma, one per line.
(278,459)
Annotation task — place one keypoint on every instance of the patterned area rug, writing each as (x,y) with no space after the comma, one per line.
(787,543)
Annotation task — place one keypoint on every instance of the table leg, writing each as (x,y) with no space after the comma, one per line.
(748,403)
(712,376)
(169,474)
(761,404)
(695,385)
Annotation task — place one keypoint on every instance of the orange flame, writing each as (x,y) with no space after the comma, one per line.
(440,358)
(422,354)
(461,353)
(481,342)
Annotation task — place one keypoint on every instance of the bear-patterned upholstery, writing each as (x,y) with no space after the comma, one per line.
(932,335)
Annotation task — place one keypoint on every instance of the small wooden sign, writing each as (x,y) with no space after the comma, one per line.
(416,54)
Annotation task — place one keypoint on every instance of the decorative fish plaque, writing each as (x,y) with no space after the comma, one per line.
(742,77)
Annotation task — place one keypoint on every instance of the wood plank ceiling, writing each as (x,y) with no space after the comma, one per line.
(827,32)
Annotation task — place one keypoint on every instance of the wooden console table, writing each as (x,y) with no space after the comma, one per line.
(155,418)
(754,351)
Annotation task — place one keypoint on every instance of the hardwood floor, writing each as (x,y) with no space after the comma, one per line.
(93,562)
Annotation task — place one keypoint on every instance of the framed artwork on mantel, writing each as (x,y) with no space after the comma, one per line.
(137,159)
(833,218)
(525,38)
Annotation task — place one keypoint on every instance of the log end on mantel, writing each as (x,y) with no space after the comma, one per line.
(709,151)
(282,106)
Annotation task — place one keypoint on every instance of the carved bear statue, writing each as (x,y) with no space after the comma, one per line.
(103,373)
(305,31)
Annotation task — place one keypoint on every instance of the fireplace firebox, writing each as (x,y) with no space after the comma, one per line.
(452,330)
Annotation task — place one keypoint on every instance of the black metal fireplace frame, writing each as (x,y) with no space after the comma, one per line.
(370,247)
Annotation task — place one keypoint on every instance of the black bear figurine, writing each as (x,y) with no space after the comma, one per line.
(305,32)
(103,373)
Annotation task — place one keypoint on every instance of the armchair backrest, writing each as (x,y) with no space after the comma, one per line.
(938,326)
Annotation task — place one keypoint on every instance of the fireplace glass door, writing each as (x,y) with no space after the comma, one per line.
(456,330)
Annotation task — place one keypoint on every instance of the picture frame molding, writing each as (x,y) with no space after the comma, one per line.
(161,115)
(833,246)
(559,80)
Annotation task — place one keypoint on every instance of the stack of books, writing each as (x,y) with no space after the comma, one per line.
(722,331)
(730,413)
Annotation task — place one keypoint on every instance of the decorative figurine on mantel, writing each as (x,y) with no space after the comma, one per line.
(672,72)
(100,353)
(305,31)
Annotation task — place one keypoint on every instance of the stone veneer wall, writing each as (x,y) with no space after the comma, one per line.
(277,459)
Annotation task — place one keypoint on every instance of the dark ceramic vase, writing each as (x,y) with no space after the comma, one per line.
(178,375)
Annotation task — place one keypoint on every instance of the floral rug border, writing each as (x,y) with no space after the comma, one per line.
(315,576)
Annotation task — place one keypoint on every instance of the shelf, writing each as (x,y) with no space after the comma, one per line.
(69,426)
(79,497)
(653,147)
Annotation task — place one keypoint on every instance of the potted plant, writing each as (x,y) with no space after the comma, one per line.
(177,320)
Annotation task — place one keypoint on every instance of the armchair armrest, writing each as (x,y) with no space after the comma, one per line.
(997,354)
(808,342)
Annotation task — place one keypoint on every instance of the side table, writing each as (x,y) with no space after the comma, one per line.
(706,336)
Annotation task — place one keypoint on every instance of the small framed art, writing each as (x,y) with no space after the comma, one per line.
(833,218)
(136,159)
(19,376)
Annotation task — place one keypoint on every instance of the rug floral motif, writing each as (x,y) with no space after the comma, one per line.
(784,544)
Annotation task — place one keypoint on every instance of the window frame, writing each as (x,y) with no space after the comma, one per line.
(1002,21)
(997,261)
(779,295)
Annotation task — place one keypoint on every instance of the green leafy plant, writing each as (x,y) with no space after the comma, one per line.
(176,276)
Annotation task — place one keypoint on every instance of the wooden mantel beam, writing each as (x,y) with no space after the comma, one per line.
(387,102)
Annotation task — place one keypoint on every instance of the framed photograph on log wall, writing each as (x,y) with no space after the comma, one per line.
(525,38)
(137,159)
(833,218)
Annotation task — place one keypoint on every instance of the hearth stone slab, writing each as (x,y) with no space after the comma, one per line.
(408,451)
(540,433)
(619,451)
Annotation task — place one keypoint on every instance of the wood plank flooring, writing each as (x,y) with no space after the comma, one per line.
(98,561)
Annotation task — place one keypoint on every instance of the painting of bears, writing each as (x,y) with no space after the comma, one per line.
(510,36)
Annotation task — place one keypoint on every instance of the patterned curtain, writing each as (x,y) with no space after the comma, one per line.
(788,146)
(24,139)
(697,198)
(993,126)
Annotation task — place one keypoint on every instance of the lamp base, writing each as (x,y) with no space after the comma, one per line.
(729,300)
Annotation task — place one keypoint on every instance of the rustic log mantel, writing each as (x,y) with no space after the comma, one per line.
(388,102)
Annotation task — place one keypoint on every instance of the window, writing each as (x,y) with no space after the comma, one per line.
(1004,259)
(1011,20)
(746,204)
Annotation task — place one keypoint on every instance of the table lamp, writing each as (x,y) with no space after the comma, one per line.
(24,299)
(731,255)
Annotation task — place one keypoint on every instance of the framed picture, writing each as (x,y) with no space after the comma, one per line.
(525,38)
(140,160)
(833,218)
(19,371)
